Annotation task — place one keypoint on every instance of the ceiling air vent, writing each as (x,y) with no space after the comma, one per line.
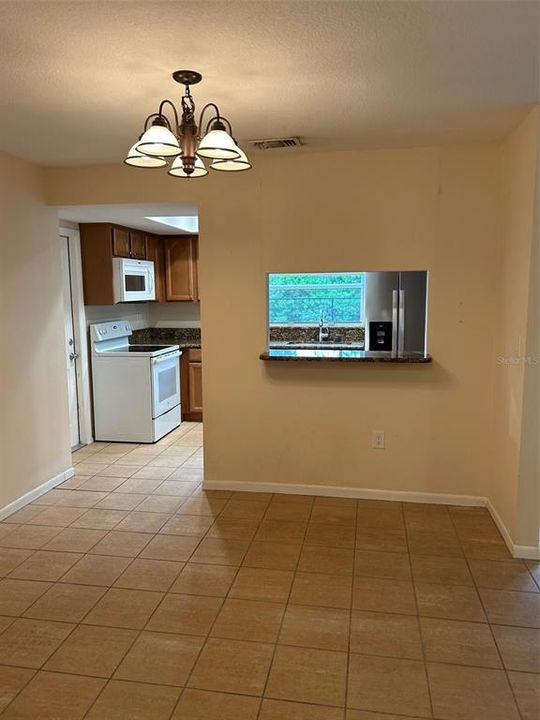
(276,143)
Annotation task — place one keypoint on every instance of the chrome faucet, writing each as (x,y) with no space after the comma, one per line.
(323,331)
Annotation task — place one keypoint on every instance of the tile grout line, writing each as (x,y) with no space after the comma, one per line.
(503,666)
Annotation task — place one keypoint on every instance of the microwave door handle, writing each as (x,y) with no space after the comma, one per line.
(151,278)
(401,323)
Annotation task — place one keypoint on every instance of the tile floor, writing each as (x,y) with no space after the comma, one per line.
(129,593)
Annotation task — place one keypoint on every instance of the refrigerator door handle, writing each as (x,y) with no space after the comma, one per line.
(394,321)
(401,323)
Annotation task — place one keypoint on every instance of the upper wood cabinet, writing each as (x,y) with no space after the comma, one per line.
(181,267)
(155,252)
(128,243)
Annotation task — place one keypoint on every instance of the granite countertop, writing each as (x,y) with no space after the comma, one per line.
(329,355)
(184,337)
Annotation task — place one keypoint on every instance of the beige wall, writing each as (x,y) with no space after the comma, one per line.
(434,209)
(516,437)
(34,432)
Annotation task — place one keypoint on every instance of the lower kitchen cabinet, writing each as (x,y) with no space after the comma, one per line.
(191,384)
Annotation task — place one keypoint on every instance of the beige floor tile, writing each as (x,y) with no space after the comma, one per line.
(153,472)
(501,575)
(66,602)
(220,551)
(249,620)
(121,501)
(149,575)
(203,506)
(382,595)
(204,580)
(101,482)
(232,528)
(292,499)
(119,470)
(379,513)
(434,542)
(122,544)
(46,565)
(388,685)
(75,540)
(12,681)
(321,590)
(381,539)
(176,488)
(251,509)
(272,556)
(124,608)
(191,525)
(53,696)
(375,633)
(24,515)
(262,584)
(10,558)
(526,687)
(7,528)
(28,537)
(299,512)
(144,522)
(56,516)
(534,568)
(322,628)
(99,519)
(466,693)
(449,602)
(307,675)
(460,643)
(285,710)
(88,468)
(96,570)
(324,535)
(95,651)
(519,647)
(170,547)
(281,531)
(29,643)
(160,658)
(123,700)
(367,715)
(161,504)
(16,596)
(391,565)
(441,570)
(167,462)
(334,514)
(504,607)
(204,705)
(5,622)
(134,485)
(232,666)
(485,550)
(187,614)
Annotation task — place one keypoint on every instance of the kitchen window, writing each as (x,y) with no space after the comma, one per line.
(306,298)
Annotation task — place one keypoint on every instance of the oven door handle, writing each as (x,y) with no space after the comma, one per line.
(163,358)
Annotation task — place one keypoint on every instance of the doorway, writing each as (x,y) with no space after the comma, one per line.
(75,343)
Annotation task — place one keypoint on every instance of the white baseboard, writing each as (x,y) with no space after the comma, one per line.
(525,552)
(28,497)
(348,492)
(518,551)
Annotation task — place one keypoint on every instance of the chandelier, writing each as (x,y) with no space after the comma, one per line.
(184,143)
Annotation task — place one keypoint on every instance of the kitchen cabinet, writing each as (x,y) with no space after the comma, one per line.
(191,384)
(155,252)
(128,243)
(181,268)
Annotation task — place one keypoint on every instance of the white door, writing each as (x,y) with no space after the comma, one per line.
(71,351)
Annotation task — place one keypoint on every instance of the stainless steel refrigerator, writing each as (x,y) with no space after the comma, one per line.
(396,311)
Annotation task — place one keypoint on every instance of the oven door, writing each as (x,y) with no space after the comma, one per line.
(133,280)
(165,383)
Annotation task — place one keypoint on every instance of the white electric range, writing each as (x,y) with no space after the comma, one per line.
(136,388)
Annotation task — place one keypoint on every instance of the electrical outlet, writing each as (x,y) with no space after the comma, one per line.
(377,440)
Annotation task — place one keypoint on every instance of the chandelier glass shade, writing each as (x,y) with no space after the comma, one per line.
(183,142)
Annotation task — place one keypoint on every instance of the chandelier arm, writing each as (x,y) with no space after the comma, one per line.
(152,115)
(217,116)
(160,113)
(224,120)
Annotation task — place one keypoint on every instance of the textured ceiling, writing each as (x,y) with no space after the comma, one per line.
(77,78)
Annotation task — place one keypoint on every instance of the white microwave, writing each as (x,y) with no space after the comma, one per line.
(133,280)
